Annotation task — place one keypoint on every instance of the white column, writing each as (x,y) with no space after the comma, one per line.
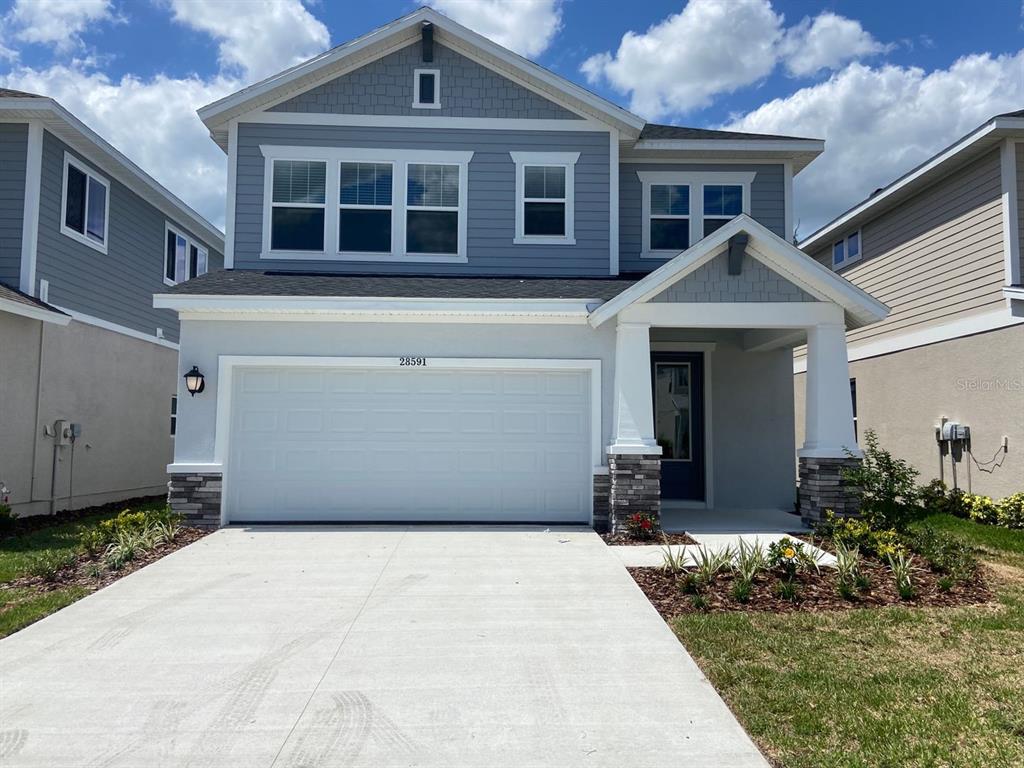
(829,419)
(633,415)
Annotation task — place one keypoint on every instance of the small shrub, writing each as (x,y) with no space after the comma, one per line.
(935,498)
(124,549)
(787,590)
(791,556)
(688,584)
(855,533)
(699,602)
(93,542)
(672,559)
(848,571)
(49,566)
(7,518)
(94,571)
(1010,512)
(750,561)
(741,589)
(902,566)
(945,554)
(945,583)
(641,525)
(885,486)
(166,531)
(981,509)
(710,563)
(862,582)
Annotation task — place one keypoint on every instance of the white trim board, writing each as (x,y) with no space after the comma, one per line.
(424,121)
(227,364)
(109,326)
(33,312)
(1010,211)
(30,216)
(957,329)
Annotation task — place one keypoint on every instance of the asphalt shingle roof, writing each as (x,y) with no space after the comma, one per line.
(7,93)
(235,282)
(658,131)
(13,294)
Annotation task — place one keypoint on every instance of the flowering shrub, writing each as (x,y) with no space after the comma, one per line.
(1010,512)
(641,525)
(980,509)
(790,556)
(854,533)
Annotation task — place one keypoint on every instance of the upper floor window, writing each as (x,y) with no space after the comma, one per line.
(679,208)
(298,203)
(184,257)
(85,204)
(846,251)
(545,195)
(391,204)
(426,89)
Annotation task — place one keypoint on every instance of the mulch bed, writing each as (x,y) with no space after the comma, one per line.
(816,592)
(82,574)
(625,540)
(23,525)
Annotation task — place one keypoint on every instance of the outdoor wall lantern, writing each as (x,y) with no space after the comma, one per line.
(195,382)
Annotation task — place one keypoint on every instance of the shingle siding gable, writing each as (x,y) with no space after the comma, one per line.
(385,87)
(13,150)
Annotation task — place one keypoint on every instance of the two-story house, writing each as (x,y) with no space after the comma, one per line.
(459,287)
(87,398)
(941,246)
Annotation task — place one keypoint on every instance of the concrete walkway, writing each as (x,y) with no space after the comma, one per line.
(376,647)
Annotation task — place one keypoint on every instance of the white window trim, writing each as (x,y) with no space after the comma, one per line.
(268,207)
(189,242)
(566,160)
(400,160)
(416,103)
(70,159)
(846,260)
(696,181)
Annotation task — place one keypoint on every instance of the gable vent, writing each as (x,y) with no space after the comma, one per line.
(428,42)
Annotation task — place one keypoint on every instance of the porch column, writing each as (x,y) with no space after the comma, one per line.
(634,457)
(828,426)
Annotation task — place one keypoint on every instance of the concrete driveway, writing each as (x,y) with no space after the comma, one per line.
(389,646)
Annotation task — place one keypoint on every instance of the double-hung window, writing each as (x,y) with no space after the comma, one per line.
(298,205)
(679,208)
(846,251)
(545,193)
(85,207)
(432,209)
(365,208)
(184,258)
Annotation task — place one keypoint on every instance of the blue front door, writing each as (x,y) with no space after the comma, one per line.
(678,379)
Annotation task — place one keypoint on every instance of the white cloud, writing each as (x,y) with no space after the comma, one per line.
(713,47)
(151,121)
(256,38)
(525,26)
(56,22)
(826,42)
(880,122)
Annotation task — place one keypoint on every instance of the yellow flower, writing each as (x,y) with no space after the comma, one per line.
(789,552)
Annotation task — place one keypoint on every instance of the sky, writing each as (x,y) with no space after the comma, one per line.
(886,83)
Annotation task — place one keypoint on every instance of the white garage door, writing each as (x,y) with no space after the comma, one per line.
(401,443)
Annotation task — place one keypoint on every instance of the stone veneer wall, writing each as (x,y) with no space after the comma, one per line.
(602,492)
(822,488)
(635,487)
(196,497)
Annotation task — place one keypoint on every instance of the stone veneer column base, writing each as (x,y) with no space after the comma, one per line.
(196,497)
(602,491)
(822,487)
(635,487)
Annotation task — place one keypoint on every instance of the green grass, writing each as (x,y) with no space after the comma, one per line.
(891,687)
(19,607)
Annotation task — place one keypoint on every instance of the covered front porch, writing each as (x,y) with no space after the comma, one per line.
(703,420)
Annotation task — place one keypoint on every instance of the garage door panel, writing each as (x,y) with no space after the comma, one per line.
(401,444)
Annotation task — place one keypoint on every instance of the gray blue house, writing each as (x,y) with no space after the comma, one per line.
(87,364)
(459,287)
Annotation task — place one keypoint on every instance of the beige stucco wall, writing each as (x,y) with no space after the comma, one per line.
(118,388)
(976,380)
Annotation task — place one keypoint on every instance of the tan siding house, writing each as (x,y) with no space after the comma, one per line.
(941,247)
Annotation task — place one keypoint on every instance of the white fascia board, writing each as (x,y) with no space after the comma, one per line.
(733,145)
(124,170)
(879,201)
(106,325)
(33,312)
(768,247)
(213,115)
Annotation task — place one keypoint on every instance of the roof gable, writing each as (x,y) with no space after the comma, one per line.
(399,34)
(711,282)
(385,87)
(781,257)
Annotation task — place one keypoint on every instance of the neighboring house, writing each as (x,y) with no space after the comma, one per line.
(86,239)
(460,287)
(941,247)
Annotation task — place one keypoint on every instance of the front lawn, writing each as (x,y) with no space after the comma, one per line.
(44,565)
(899,686)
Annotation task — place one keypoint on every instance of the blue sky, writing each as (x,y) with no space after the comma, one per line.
(885,83)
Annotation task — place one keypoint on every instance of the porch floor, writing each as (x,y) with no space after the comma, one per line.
(728,521)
